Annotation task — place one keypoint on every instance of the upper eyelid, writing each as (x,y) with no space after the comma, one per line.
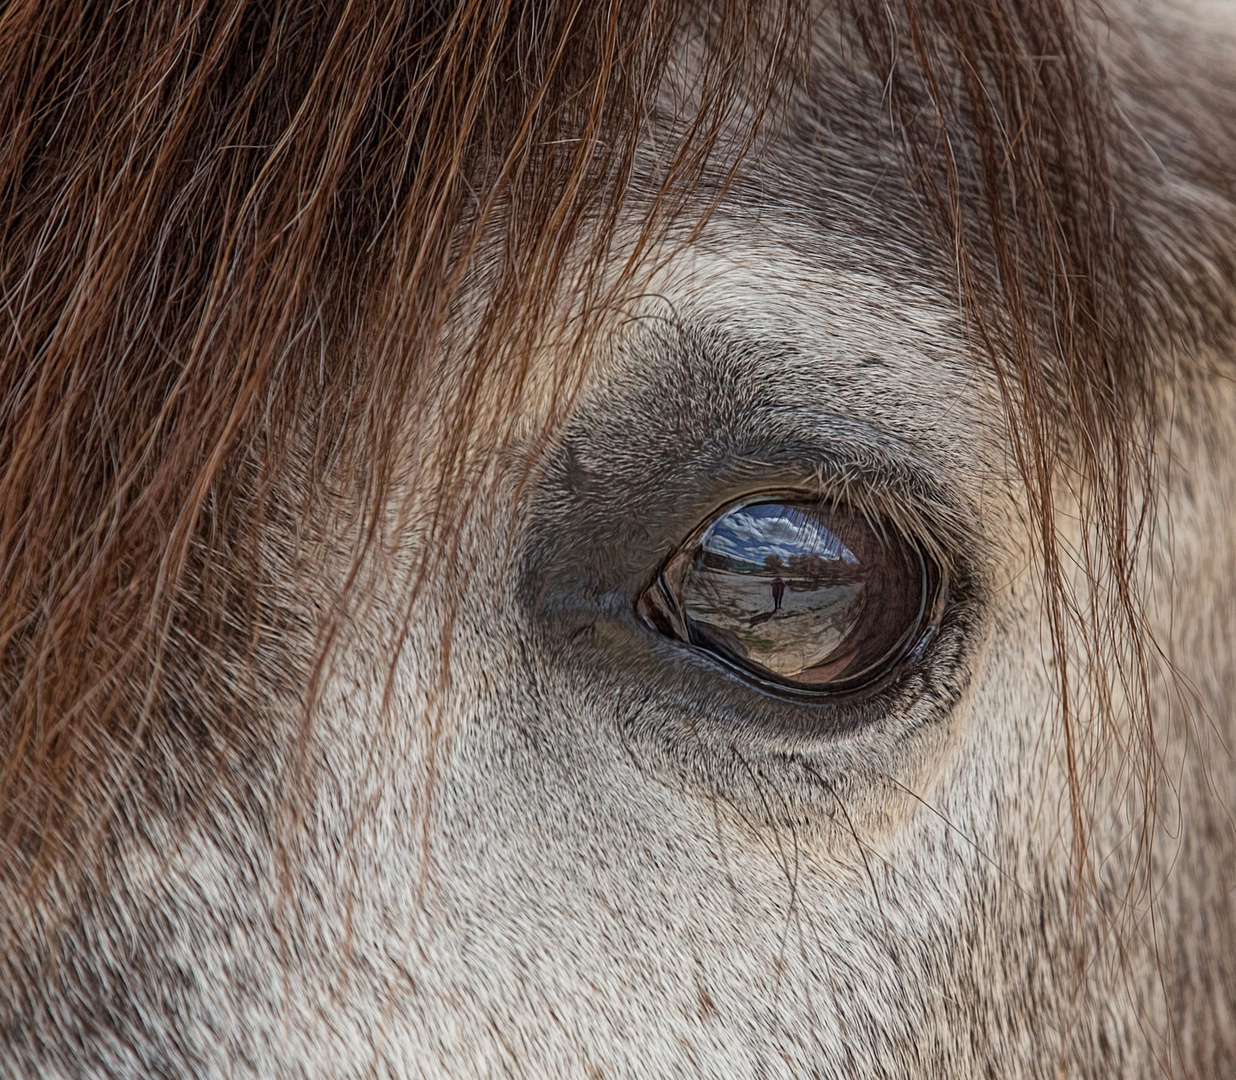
(633,477)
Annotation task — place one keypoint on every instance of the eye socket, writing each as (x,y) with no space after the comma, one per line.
(798,596)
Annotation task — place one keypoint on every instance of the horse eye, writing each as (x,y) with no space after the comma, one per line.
(797,595)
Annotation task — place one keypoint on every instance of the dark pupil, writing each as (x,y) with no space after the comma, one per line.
(794,592)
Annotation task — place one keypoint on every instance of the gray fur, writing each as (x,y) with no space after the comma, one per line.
(590,853)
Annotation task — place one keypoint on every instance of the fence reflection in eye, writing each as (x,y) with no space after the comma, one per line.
(796,594)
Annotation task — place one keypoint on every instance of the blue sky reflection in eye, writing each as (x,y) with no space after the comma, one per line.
(750,534)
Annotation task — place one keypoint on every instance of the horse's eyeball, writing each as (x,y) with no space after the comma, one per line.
(797,595)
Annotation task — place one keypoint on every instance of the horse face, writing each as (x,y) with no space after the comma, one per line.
(627,845)
(704,869)
(730,745)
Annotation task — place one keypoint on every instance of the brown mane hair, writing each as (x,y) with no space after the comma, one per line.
(234,234)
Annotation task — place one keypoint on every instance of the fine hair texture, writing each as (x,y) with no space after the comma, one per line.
(234,238)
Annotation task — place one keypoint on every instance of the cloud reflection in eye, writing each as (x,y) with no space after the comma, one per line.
(752,534)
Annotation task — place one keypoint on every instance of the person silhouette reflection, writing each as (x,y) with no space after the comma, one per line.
(773,565)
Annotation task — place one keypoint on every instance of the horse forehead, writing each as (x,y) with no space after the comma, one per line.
(810,279)
(804,321)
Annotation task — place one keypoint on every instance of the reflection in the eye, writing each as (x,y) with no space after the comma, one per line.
(774,587)
(804,594)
